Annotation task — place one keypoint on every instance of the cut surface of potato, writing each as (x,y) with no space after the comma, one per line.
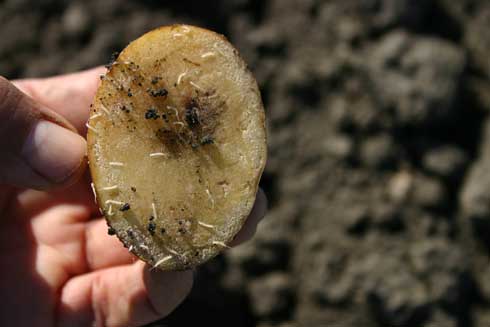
(177,145)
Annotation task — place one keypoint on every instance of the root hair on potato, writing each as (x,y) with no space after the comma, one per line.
(175,110)
(200,223)
(180,124)
(181,76)
(162,261)
(104,109)
(93,129)
(221,244)
(92,186)
(169,250)
(110,188)
(154,210)
(208,55)
(157,155)
(109,211)
(196,86)
(119,203)
(210,196)
(95,116)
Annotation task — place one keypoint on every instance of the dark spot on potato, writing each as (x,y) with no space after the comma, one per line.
(125,109)
(130,233)
(192,115)
(151,114)
(191,62)
(151,228)
(125,207)
(155,80)
(158,93)
(207,139)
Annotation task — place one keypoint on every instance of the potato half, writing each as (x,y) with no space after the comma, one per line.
(177,145)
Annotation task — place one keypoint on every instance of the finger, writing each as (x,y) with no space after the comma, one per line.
(31,203)
(69,95)
(39,147)
(130,295)
(258,212)
(104,250)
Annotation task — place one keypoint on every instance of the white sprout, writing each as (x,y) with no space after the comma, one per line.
(167,258)
(91,128)
(181,76)
(154,209)
(115,202)
(216,47)
(95,116)
(157,155)
(104,109)
(176,111)
(212,96)
(92,186)
(208,54)
(116,164)
(221,244)
(210,197)
(196,86)
(181,124)
(172,251)
(110,188)
(200,223)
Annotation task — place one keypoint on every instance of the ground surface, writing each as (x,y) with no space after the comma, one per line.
(379,151)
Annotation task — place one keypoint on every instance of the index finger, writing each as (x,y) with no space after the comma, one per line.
(69,95)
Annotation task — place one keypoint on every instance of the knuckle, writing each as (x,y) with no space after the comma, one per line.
(7,94)
(99,300)
(16,115)
(9,101)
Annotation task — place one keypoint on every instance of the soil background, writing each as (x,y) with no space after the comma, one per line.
(379,147)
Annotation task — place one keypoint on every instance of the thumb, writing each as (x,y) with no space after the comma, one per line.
(39,148)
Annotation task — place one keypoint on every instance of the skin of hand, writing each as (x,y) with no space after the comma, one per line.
(59,266)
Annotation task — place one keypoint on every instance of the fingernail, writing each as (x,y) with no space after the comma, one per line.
(53,151)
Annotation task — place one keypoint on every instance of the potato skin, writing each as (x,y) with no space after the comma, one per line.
(184,95)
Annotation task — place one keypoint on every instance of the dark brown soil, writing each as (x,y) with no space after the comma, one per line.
(379,151)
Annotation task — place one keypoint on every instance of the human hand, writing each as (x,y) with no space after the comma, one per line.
(59,265)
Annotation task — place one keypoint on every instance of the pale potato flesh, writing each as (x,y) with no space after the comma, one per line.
(177,145)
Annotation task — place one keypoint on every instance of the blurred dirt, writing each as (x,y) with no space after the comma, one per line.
(379,144)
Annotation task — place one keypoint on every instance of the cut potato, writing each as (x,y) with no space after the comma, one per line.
(177,145)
